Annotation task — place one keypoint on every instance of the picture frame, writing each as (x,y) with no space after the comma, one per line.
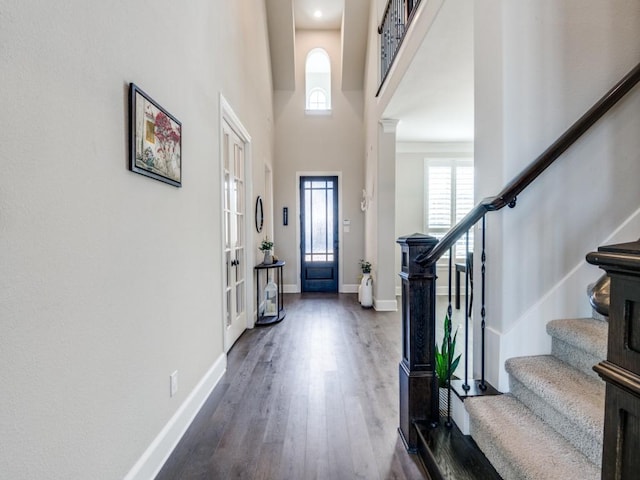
(155,138)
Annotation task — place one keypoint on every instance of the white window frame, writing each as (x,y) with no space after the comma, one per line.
(315,81)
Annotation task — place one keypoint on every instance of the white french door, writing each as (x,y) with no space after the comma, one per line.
(234,211)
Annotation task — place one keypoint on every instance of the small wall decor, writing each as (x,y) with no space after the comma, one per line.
(155,138)
(259,214)
(285,216)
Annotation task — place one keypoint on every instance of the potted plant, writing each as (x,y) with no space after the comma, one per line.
(266,247)
(445,363)
(365,266)
(365,289)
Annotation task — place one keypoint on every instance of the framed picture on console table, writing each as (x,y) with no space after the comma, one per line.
(155,138)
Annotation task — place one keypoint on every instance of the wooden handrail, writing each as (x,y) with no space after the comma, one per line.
(510,192)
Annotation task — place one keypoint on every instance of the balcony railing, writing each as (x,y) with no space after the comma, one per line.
(396,19)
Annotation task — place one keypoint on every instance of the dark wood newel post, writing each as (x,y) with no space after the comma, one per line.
(418,385)
(621,369)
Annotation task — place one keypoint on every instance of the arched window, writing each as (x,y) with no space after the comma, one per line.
(318,80)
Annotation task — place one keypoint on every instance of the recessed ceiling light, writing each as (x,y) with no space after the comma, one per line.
(317,14)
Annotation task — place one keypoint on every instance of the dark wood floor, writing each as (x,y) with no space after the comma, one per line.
(314,397)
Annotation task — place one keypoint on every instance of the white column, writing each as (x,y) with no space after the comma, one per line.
(384,291)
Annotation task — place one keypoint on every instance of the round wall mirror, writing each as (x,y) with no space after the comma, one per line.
(259,214)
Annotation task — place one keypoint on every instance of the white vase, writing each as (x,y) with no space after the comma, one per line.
(268,257)
(365,292)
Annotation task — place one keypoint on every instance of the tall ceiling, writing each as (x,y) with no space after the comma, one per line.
(284,17)
(434,101)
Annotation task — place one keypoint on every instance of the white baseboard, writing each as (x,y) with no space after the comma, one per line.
(385,305)
(459,414)
(348,288)
(152,460)
(290,288)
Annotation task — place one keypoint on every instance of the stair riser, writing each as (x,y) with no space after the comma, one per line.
(589,443)
(575,357)
(504,466)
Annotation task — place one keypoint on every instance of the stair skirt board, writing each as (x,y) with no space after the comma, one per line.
(521,446)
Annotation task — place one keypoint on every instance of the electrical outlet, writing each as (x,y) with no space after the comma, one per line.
(173,383)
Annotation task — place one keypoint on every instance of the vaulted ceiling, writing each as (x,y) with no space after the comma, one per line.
(434,100)
(284,17)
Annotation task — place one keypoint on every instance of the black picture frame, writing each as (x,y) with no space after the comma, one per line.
(155,139)
(259,214)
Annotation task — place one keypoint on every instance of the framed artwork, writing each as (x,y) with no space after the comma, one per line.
(155,138)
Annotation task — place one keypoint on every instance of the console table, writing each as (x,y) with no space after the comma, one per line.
(272,270)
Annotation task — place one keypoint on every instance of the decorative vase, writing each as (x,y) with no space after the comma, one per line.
(268,257)
(365,291)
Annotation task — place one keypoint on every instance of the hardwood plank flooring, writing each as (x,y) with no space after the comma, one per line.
(313,397)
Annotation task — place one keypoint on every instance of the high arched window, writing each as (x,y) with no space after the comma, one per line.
(318,80)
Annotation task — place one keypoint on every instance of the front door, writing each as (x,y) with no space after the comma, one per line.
(319,234)
(234,236)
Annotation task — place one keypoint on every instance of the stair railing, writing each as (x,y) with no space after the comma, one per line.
(418,377)
(395,21)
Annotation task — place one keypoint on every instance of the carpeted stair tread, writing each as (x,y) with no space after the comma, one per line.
(587,334)
(572,393)
(520,445)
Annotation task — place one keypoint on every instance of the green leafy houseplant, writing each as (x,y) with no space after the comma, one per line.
(445,363)
(266,245)
(365,266)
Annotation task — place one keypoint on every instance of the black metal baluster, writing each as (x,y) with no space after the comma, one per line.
(465,385)
(483,385)
(447,332)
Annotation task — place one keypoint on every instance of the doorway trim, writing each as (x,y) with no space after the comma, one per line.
(228,115)
(297,288)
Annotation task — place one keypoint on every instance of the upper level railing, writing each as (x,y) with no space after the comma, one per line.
(395,21)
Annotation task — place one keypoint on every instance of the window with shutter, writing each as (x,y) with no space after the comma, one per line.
(448,198)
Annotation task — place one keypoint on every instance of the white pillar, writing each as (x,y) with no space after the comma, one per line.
(384,291)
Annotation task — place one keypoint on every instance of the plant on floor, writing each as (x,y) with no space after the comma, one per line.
(445,363)
(365,266)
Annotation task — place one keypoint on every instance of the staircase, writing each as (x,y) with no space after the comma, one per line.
(550,425)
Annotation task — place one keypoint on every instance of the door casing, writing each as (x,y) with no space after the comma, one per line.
(227,115)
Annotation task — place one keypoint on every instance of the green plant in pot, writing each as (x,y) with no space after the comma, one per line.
(266,247)
(445,363)
(365,266)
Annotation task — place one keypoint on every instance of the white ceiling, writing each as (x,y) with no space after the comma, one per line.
(434,101)
(331,10)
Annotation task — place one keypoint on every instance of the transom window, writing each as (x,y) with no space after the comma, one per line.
(318,80)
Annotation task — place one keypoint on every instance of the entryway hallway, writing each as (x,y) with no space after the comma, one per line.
(314,397)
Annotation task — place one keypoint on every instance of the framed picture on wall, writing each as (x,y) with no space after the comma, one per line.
(155,138)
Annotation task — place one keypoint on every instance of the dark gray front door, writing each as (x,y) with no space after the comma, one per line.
(319,233)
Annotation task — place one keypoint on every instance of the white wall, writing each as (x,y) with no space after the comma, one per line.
(411,189)
(110,280)
(539,66)
(319,143)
